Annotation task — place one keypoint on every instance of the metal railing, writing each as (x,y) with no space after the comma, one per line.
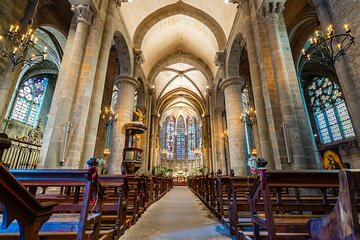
(21,155)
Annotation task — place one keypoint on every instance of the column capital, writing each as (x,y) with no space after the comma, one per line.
(82,12)
(238,80)
(272,9)
(126,80)
(138,58)
(220,59)
(118,2)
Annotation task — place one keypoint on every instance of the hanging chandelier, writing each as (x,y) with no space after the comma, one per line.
(21,49)
(108,116)
(328,48)
(249,116)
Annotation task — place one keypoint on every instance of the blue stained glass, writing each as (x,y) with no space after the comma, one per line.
(330,111)
(29,100)
(180,139)
(191,139)
(170,141)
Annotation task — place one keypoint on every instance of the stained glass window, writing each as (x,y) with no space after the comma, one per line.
(330,111)
(163,135)
(180,139)
(170,138)
(198,135)
(191,139)
(29,100)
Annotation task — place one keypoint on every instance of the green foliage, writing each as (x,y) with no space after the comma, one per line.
(201,170)
(161,170)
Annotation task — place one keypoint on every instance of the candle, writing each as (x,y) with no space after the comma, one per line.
(35,40)
(303,52)
(311,40)
(29,31)
(45,49)
(16,28)
(339,46)
(32,37)
(346,26)
(15,49)
(23,37)
(11,28)
(45,56)
(317,33)
(32,57)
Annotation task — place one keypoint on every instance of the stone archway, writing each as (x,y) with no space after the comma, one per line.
(175,9)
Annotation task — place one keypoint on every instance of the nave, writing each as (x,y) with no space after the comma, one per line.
(178,215)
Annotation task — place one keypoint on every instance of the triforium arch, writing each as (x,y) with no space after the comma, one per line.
(234,55)
(124,57)
(175,9)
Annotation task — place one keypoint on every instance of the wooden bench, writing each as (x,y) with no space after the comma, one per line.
(238,205)
(343,221)
(114,217)
(18,204)
(77,214)
(290,199)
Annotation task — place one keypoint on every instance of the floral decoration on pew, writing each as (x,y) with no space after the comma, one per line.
(93,176)
(257,165)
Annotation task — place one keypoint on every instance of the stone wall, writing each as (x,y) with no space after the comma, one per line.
(347,12)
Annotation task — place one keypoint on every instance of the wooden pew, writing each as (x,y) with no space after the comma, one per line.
(343,221)
(18,204)
(222,196)
(114,217)
(290,199)
(78,213)
(5,143)
(238,205)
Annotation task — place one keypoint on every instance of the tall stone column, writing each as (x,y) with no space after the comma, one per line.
(350,88)
(153,141)
(261,119)
(236,133)
(124,107)
(52,150)
(99,82)
(81,108)
(292,132)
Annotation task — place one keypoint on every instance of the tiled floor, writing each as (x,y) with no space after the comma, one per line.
(178,215)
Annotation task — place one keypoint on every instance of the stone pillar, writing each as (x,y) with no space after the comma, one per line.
(79,119)
(99,82)
(261,119)
(291,128)
(52,149)
(219,141)
(124,107)
(153,141)
(236,133)
(350,88)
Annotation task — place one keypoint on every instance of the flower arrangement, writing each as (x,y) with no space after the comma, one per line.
(253,164)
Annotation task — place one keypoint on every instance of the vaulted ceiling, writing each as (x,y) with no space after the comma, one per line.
(196,29)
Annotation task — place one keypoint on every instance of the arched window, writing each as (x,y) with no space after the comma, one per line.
(329,110)
(191,139)
(180,139)
(29,100)
(163,135)
(170,137)
(198,135)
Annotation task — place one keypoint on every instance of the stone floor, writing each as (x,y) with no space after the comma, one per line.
(178,215)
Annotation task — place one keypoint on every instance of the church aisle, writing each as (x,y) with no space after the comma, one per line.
(178,215)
